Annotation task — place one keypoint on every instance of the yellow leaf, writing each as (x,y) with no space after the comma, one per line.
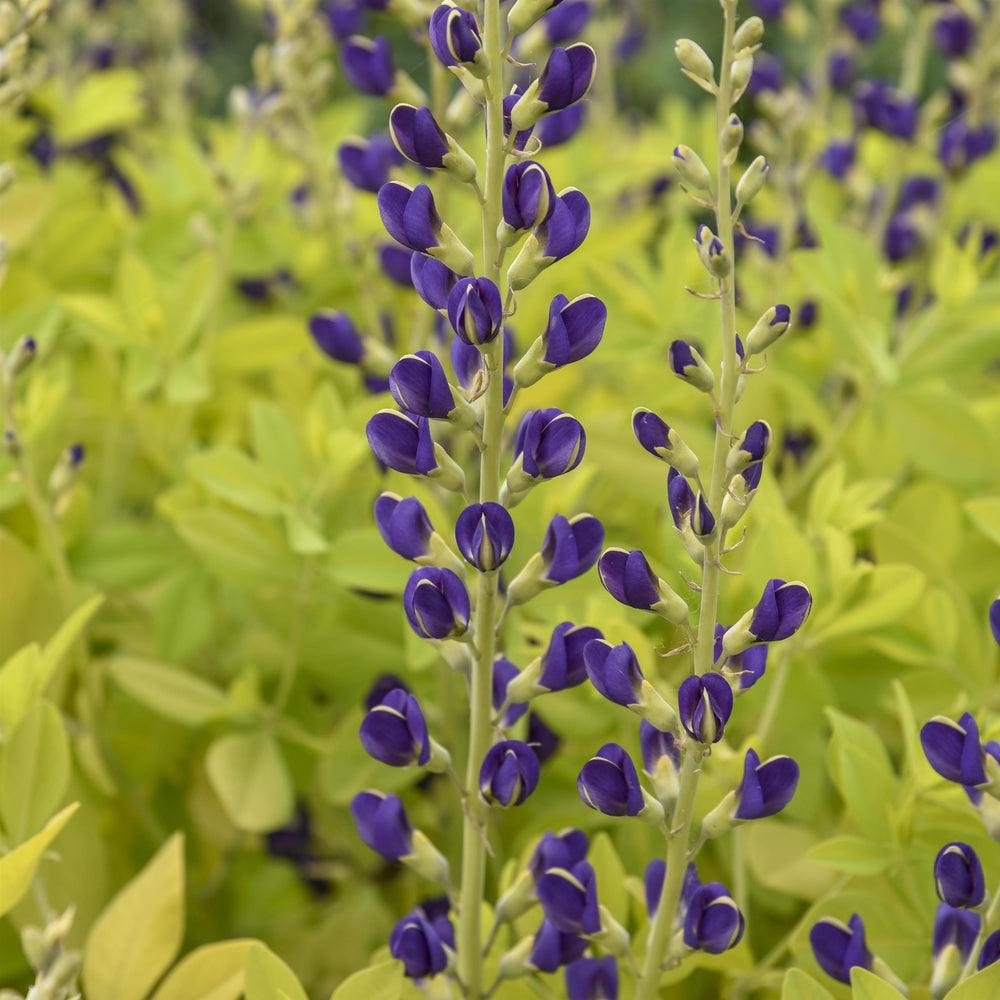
(18,868)
(212,972)
(139,933)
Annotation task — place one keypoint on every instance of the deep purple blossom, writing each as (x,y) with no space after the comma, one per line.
(958,875)
(766,788)
(565,21)
(569,898)
(528,198)
(404,525)
(366,163)
(509,773)
(573,331)
(418,383)
(713,922)
(432,280)
(879,106)
(955,927)
(609,783)
(394,731)
(840,947)
(484,533)
(614,671)
(417,943)
(475,310)
(418,137)
(743,669)
(549,443)
(953,749)
(567,76)
(456,39)
(553,948)
(382,824)
(436,603)
(558,850)
(571,547)
(503,673)
(336,336)
(705,704)
(592,978)
(368,65)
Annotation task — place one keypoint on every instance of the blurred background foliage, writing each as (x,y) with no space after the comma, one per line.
(167,245)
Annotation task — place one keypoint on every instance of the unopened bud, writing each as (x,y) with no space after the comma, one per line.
(66,471)
(37,11)
(64,971)
(20,357)
(694,59)
(691,168)
(742,70)
(749,33)
(732,137)
(752,181)
(768,329)
(36,947)
(525,13)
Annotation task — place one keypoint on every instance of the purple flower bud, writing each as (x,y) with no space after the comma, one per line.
(571,547)
(409,215)
(630,580)
(954,751)
(702,520)
(563,664)
(366,163)
(503,673)
(743,670)
(768,74)
(549,443)
(592,978)
(396,263)
(381,686)
(918,190)
(456,39)
(418,945)
(574,329)
(994,617)
(840,69)
(553,948)
(508,106)
(662,441)
(542,738)
(567,76)
(343,19)
(687,364)
(704,705)
(766,788)
(561,126)
(608,782)
(432,280)
(837,158)
(960,144)
(680,499)
(418,383)
(382,824)
(475,310)
(368,65)
(953,926)
(954,33)
(418,136)
(569,898)
(840,947)
(509,773)
(402,442)
(567,227)
(752,447)
(565,21)
(614,671)
(713,922)
(404,525)
(485,535)
(990,951)
(395,732)
(655,745)
(336,336)
(902,238)
(958,875)
(879,106)
(780,612)
(528,197)
(436,603)
(558,850)
(862,20)
(655,873)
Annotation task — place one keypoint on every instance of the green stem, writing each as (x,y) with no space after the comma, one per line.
(985,926)
(469,933)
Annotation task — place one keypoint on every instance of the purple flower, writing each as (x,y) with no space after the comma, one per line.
(415,941)
(840,947)
(655,873)
(571,547)
(569,898)
(336,336)
(960,144)
(630,580)
(592,978)
(558,850)
(561,126)
(404,525)
(418,136)
(542,738)
(396,263)
(528,198)
(509,773)
(780,612)
(549,443)
(418,383)
(485,534)
(573,332)
(475,310)
(954,33)
(456,39)
(688,365)
(566,78)
(432,280)
(366,163)
(436,603)
(343,19)
(840,69)
(953,926)
(655,746)
(521,140)
(381,686)
(565,21)
(553,948)
(614,671)
(990,952)
(411,218)
(768,74)
(368,65)
(862,20)
(394,731)
(994,617)
(838,158)
(704,705)
(503,673)
(958,875)
(766,788)
(567,227)
(608,782)
(663,441)
(563,665)
(742,669)
(404,443)
(382,824)
(753,446)
(954,751)
(713,922)
(902,239)
(879,106)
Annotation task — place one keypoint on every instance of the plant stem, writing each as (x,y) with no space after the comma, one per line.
(469,936)
(985,925)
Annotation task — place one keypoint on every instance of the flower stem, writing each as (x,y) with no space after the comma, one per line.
(469,935)
(986,925)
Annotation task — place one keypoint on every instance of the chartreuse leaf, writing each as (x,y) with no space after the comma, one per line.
(378,982)
(19,684)
(855,855)
(34,771)
(57,648)
(885,595)
(18,868)
(800,985)
(251,779)
(237,479)
(984,512)
(866,985)
(610,876)
(267,976)
(212,972)
(103,102)
(169,691)
(139,933)
(984,984)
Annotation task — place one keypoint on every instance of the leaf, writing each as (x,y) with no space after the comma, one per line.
(139,933)
(985,983)
(34,771)
(800,985)
(183,616)
(866,985)
(251,779)
(610,874)
(378,982)
(18,868)
(57,648)
(237,479)
(263,342)
(103,102)
(276,442)
(20,684)
(984,513)
(212,972)
(855,855)
(267,976)
(360,560)
(169,691)
(889,592)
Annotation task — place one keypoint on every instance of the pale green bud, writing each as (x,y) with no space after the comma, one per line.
(654,708)
(20,357)
(752,180)
(720,820)
(427,860)
(731,139)
(749,33)
(514,963)
(518,899)
(453,252)
(612,937)
(694,60)
(525,13)
(691,168)
(771,325)
(742,69)
(652,811)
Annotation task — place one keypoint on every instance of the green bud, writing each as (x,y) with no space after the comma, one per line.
(731,139)
(749,33)
(691,168)
(525,685)
(654,709)
(946,972)
(735,502)
(453,252)
(742,69)
(525,13)
(771,325)
(666,782)
(694,60)
(720,819)
(427,860)
(37,947)
(612,937)
(518,899)
(449,474)
(406,91)
(20,357)
(738,638)
(528,264)
(514,963)
(652,811)
(64,970)
(752,180)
